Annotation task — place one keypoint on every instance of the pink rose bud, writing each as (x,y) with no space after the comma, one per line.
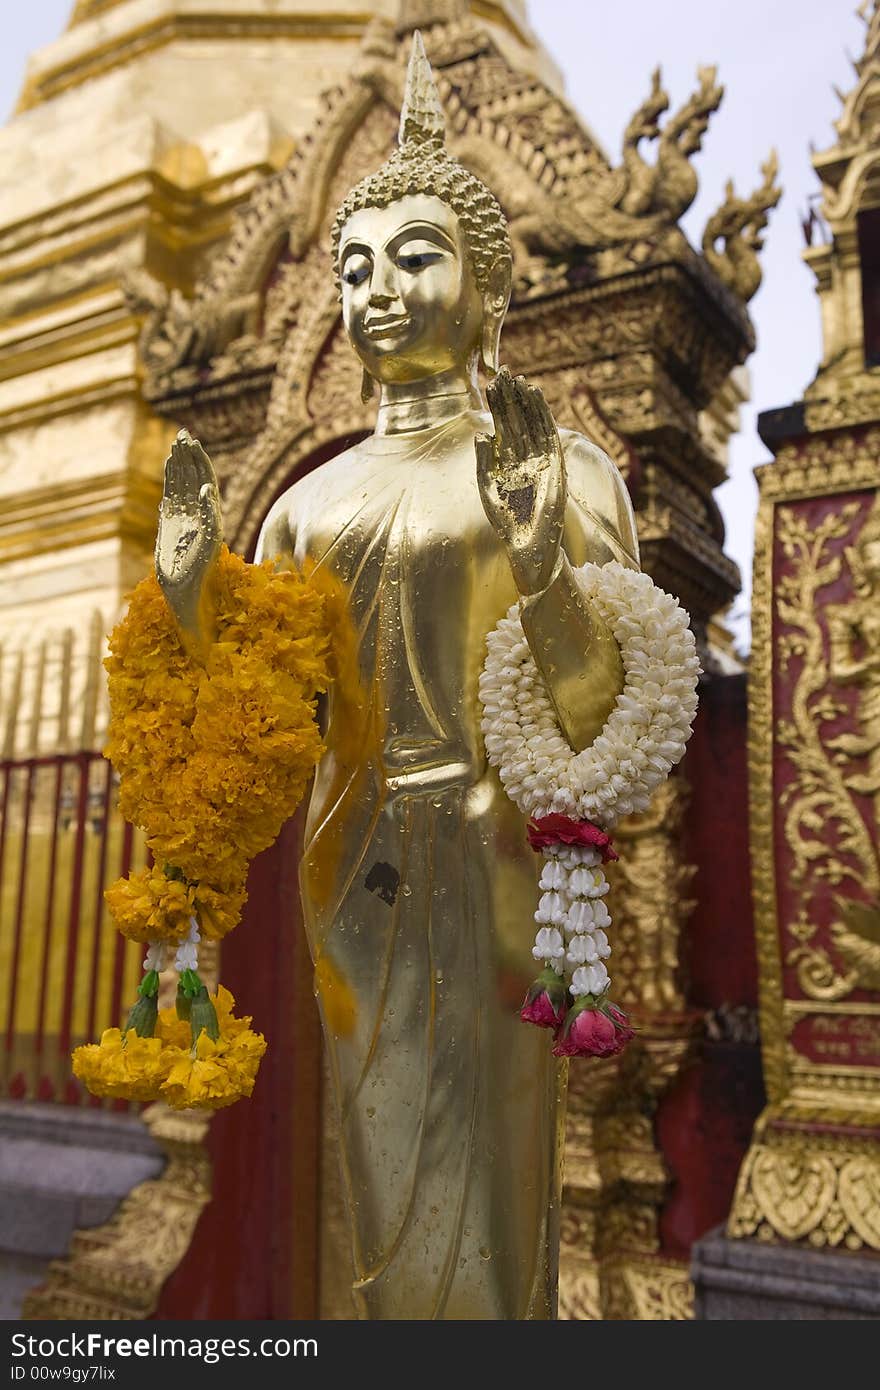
(619,1019)
(593,1030)
(547,1000)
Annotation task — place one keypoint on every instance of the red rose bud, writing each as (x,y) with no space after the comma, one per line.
(618,1018)
(562,830)
(547,1000)
(593,1030)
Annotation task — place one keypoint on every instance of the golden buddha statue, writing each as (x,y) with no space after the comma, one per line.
(417,879)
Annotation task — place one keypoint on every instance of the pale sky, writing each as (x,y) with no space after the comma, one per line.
(778,61)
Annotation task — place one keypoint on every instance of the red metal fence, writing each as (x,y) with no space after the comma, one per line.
(65,972)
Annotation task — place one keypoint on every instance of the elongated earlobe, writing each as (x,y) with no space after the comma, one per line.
(496,298)
(367,386)
(489,349)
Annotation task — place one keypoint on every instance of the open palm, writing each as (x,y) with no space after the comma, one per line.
(521,475)
(190,529)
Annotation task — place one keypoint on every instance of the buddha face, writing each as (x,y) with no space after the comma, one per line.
(410,301)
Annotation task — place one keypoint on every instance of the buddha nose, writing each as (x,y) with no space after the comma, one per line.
(383,288)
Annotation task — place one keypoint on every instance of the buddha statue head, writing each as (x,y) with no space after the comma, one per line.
(422,252)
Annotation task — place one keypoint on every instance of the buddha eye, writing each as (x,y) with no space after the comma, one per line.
(417,260)
(355,270)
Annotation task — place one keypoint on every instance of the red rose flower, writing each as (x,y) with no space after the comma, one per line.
(619,1018)
(547,1000)
(593,1030)
(562,830)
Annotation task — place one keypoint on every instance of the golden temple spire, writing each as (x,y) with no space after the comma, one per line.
(421,116)
(869,11)
(844,261)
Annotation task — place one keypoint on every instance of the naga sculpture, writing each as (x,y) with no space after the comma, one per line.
(738,225)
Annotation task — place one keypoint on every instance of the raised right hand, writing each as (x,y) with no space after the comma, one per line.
(190,534)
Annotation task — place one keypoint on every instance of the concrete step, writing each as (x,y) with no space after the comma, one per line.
(61,1168)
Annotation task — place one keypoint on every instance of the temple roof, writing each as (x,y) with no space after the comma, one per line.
(103,35)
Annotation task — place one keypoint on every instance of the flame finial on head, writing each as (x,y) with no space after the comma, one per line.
(421,117)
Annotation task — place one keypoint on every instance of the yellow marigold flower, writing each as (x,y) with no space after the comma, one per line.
(224,1003)
(219,909)
(213,759)
(212,1074)
(149,906)
(174,1032)
(123,1066)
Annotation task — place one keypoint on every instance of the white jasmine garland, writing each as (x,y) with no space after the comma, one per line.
(187,957)
(155,957)
(575,905)
(642,740)
(582,950)
(646,732)
(580,916)
(589,979)
(552,908)
(549,948)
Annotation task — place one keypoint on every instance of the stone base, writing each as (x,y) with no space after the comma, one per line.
(61,1169)
(747,1279)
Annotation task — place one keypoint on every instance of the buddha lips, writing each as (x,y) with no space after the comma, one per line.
(571,799)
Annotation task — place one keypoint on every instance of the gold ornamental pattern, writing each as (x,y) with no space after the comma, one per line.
(812,1174)
(803,1186)
(826,648)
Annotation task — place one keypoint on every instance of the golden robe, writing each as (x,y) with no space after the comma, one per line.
(418,883)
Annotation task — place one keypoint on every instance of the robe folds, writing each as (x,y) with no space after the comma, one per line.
(418,883)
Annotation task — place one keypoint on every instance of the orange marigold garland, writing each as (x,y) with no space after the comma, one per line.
(212,760)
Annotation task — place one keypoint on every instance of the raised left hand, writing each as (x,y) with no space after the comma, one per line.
(521,475)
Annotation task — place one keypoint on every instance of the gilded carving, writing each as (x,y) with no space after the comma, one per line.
(659,1291)
(855,403)
(640,199)
(804,1186)
(570,398)
(650,885)
(649,1290)
(738,224)
(670,182)
(826,833)
(811,1175)
(825,464)
(854,659)
(615,1176)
